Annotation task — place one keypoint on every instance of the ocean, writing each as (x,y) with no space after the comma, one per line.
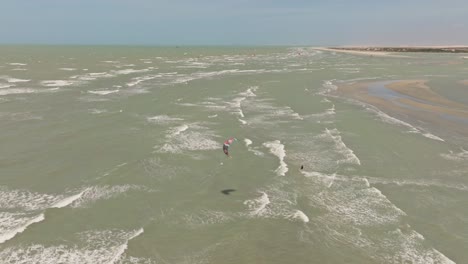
(113,154)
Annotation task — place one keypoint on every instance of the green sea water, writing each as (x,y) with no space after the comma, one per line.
(114,155)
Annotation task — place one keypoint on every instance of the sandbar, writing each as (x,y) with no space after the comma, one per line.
(412,101)
(365,53)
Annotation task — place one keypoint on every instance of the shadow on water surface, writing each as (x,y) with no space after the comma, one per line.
(228,191)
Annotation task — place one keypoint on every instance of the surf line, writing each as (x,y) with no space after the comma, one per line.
(11,233)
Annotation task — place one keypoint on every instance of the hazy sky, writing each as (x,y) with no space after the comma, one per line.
(222,22)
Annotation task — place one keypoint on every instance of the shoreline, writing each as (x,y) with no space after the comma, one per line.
(424,49)
(370,53)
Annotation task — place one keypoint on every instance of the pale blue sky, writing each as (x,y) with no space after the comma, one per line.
(242,22)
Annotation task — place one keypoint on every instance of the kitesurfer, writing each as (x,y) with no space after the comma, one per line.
(226,145)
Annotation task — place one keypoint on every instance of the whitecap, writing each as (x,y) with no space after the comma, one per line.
(68,200)
(257,206)
(95,193)
(177,130)
(59,83)
(431,136)
(163,119)
(277,149)
(461,156)
(15,80)
(195,138)
(130,71)
(104,92)
(14,224)
(97,111)
(100,247)
(348,153)
(17,64)
(300,215)
(2,86)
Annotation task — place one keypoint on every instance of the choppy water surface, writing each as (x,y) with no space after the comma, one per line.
(114,155)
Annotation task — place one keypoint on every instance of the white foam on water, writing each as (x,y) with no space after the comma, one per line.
(111,61)
(119,252)
(326,179)
(329,86)
(68,200)
(300,215)
(196,138)
(461,156)
(421,183)
(138,260)
(250,92)
(274,202)
(15,80)
(351,202)
(97,193)
(26,200)
(213,116)
(130,71)
(431,136)
(203,75)
(332,180)
(114,169)
(177,130)
(331,111)
(392,120)
(287,111)
(408,247)
(237,105)
(92,76)
(242,121)
(361,216)
(97,111)
(265,113)
(14,223)
(2,86)
(341,147)
(68,69)
(277,149)
(138,80)
(257,206)
(327,113)
(100,247)
(191,67)
(20,116)
(192,141)
(17,64)
(103,92)
(206,218)
(249,142)
(163,119)
(55,83)
(14,226)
